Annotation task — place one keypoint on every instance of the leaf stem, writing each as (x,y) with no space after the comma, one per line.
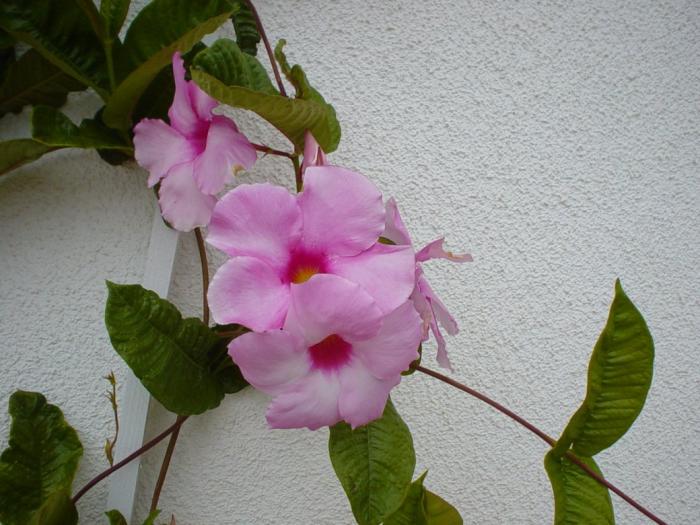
(297,174)
(268,48)
(270,151)
(152,443)
(547,439)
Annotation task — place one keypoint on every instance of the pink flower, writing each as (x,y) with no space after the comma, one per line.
(313,154)
(193,155)
(337,358)
(277,240)
(431,309)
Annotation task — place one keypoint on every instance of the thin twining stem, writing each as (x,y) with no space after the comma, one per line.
(128,459)
(268,48)
(205,274)
(547,439)
(271,151)
(166,463)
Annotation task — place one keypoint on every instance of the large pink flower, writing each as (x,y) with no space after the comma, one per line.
(337,357)
(193,155)
(277,240)
(431,309)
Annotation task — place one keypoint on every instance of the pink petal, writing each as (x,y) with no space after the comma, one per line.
(259,220)
(434,250)
(395,347)
(313,154)
(311,402)
(438,307)
(192,107)
(441,356)
(363,396)
(386,272)
(342,211)
(226,150)
(327,305)
(394,228)
(181,202)
(158,147)
(248,291)
(270,361)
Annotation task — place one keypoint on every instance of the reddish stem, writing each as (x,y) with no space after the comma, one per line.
(268,48)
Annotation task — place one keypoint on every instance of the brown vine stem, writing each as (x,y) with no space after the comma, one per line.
(271,151)
(128,459)
(201,248)
(268,48)
(547,439)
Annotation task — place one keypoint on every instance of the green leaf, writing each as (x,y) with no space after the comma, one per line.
(578,498)
(374,464)
(34,80)
(40,461)
(305,91)
(247,36)
(225,61)
(292,117)
(113,14)
(115,517)
(619,377)
(61,32)
(58,509)
(422,507)
(16,152)
(53,128)
(160,29)
(169,354)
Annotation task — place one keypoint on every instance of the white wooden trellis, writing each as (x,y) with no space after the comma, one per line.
(135,398)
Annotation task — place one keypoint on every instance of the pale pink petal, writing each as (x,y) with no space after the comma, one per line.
(311,402)
(227,150)
(191,108)
(270,361)
(395,347)
(313,154)
(363,396)
(394,228)
(158,147)
(386,272)
(327,305)
(342,210)
(181,202)
(437,306)
(434,250)
(423,308)
(248,291)
(441,356)
(260,220)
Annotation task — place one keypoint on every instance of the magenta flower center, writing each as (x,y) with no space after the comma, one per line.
(304,265)
(331,353)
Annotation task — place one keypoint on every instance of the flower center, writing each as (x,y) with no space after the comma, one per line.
(331,353)
(304,265)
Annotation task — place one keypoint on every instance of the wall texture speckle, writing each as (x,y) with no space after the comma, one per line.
(558,142)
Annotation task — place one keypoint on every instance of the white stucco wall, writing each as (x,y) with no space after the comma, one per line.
(555,141)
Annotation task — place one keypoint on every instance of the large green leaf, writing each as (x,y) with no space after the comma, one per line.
(374,464)
(34,80)
(422,507)
(169,354)
(247,36)
(619,377)
(225,61)
(53,128)
(160,29)
(58,509)
(61,32)
(15,152)
(113,14)
(290,116)
(578,498)
(40,461)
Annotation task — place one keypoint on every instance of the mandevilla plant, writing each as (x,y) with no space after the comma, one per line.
(322,304)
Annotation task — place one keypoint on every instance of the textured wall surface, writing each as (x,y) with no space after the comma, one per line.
(558,142)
